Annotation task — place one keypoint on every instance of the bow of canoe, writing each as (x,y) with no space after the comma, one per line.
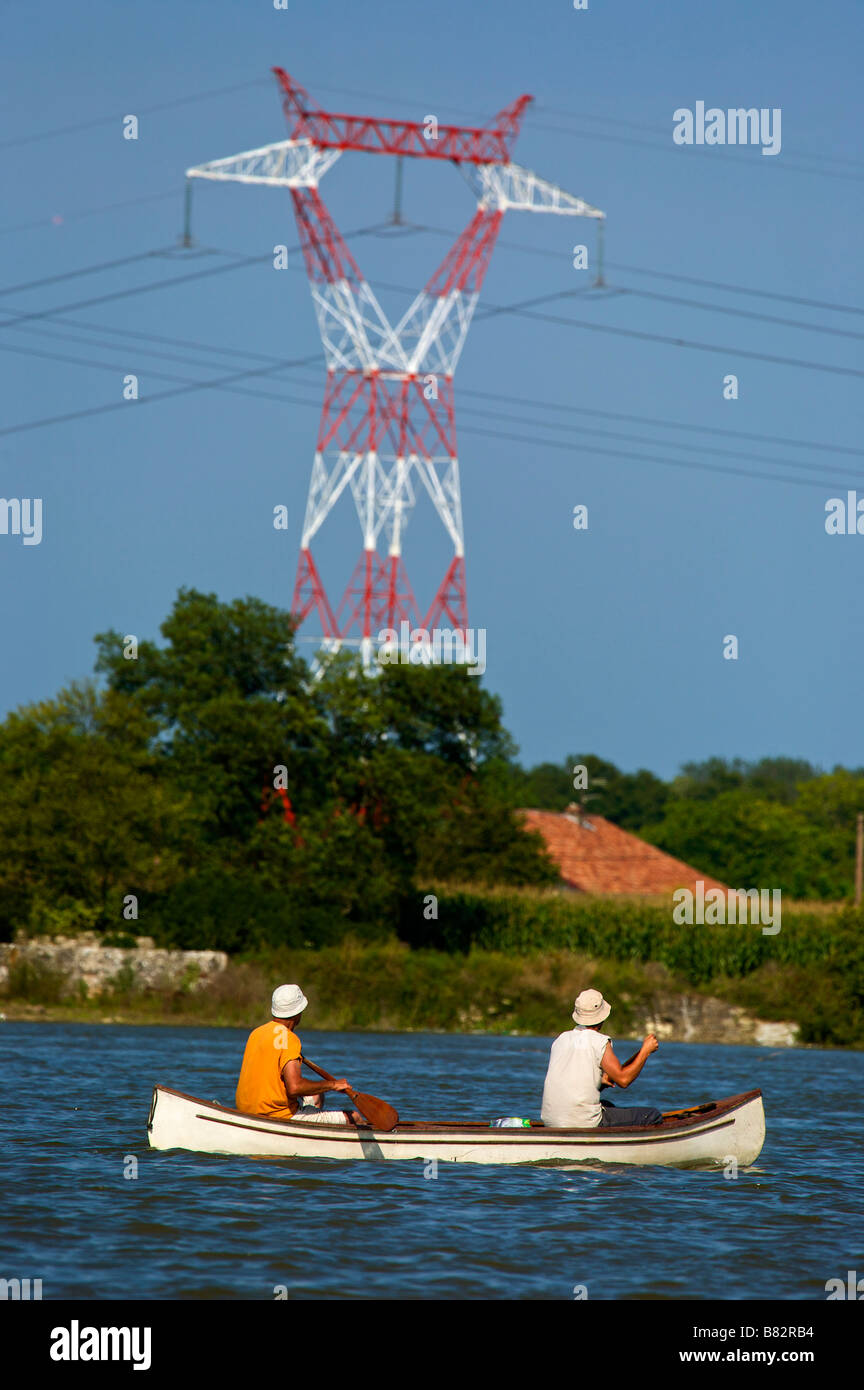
(708,1135)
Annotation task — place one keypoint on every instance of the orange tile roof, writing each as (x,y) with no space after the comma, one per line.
(595,856)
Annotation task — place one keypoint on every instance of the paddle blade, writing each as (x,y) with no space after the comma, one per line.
(379,1114)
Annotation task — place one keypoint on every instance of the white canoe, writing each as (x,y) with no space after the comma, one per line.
(704,1136)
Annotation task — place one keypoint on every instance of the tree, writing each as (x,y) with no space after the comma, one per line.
(749,843)
(229,698)
(84,817)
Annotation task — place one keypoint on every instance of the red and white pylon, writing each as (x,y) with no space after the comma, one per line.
(387,422)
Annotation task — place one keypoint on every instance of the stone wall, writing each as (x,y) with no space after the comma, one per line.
(83,960)
(701,1018)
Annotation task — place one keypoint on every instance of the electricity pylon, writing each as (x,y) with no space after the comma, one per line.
(387,421)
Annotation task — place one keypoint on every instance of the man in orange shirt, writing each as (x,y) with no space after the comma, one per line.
(270,1081)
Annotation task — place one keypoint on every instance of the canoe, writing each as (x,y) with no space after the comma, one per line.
(704,1136)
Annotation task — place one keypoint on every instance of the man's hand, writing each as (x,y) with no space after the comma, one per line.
(650,1044)
(341,1085)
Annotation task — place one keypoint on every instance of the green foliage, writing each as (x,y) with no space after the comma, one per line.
(749,842)
(34,982)
(157,786)
(82,809)
(771,779)
(632,931)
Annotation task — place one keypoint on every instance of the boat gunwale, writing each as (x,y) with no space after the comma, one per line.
(470,1130)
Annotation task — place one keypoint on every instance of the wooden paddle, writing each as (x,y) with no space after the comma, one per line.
(379,1114)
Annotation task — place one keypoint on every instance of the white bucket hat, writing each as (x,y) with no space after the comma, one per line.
(287,1001)
(591,1007)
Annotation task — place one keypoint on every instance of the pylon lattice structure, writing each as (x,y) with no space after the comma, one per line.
(387,424)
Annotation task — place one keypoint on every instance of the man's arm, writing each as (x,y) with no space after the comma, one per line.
(296,1087)
(623,1075)
(605,1081)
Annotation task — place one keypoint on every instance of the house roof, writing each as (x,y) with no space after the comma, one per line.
(595,856)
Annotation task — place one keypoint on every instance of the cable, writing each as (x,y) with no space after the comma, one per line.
(696,151)
(229,381)
(274,361)
(142,111)
(137,289)
(666,424)
(277,366)
(490,311)
(662,130)
(643,458)
(742,313)
(509,245)
(95,269)
(89,212)
(239,263)
(739,289)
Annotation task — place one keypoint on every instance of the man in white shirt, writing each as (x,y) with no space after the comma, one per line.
(582,1063)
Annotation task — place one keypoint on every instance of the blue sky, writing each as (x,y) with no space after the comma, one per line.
(608,640)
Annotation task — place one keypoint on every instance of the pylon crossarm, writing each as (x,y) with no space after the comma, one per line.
(422,140)
(284,164)
(510,187)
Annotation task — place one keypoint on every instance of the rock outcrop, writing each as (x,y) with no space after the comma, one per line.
(701,1018)
(84,961)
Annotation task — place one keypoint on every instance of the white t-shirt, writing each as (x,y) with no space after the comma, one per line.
(571,1095)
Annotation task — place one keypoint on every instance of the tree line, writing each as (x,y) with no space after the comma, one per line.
(211,790)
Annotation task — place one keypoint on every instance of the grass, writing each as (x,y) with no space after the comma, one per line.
(388,987)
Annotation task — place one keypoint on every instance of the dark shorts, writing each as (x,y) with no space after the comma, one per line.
(631,1115)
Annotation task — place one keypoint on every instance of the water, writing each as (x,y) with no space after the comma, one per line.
(74,1101)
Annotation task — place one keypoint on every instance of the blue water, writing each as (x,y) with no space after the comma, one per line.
(74,1101)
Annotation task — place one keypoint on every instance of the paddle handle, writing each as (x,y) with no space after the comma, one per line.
(320,1070)
(325,1074)
(379,1114)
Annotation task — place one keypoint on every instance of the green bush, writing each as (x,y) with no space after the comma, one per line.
(35,983)
(633,931)
(234,912)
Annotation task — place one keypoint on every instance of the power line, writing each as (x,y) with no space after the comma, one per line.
(663,130)
(643,458)
(135,290)
(742,313)
(667,424)
(95,269)
(696,152)
(491,310)
(229,382)
(670,275)
(78,126)
(532,250)
(278,366)
(89,212)
(740,289)
(239,263)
